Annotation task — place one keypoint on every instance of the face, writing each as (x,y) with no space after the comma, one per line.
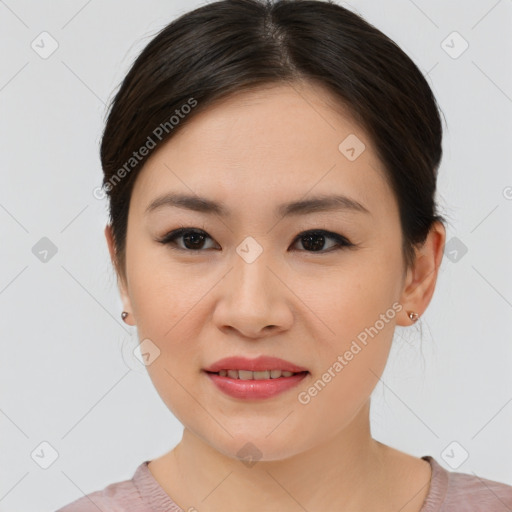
(316,285)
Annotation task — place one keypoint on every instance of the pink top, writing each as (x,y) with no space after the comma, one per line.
(449,492)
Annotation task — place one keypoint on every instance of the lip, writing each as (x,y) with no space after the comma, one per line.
(259,364)
(255,389)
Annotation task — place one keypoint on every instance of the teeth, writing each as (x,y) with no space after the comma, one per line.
(248,375)
(261,375)
(245,375)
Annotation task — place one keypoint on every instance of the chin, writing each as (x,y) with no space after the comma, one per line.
(255,446)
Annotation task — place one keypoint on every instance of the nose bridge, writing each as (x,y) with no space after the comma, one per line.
(251,274)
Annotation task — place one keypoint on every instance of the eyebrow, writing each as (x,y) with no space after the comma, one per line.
(321,203)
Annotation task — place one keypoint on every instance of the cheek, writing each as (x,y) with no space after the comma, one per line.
(162,293)
(358,306)
(354,296)
(168,301)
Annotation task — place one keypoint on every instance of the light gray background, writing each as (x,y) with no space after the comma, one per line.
(67,373)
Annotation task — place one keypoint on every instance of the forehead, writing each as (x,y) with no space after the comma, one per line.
(274,143)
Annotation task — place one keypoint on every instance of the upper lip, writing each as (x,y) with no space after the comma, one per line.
(259,364)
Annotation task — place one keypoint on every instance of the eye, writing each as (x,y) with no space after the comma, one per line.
(193,238)
(313,241)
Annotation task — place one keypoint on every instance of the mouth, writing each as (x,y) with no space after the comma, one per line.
(263,377)
(247,385)
(260,375)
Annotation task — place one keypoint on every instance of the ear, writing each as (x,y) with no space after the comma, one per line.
(421,278)
(120,281)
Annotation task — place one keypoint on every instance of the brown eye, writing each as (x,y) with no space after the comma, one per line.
(315,241)
(192,239)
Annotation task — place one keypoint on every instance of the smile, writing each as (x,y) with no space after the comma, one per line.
(247,385)
(248,375)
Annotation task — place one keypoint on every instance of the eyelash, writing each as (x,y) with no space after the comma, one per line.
(342,242)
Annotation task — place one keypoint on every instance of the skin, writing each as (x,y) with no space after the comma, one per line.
(252,152)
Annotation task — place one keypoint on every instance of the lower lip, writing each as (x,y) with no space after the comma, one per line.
(255,389)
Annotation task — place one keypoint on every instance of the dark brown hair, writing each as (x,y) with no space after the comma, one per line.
(231,45)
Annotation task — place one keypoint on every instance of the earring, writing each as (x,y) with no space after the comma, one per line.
(413,316)
(124,314)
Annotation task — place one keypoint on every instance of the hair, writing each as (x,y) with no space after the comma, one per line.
(229,46)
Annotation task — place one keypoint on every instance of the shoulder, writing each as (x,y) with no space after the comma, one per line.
(454,491)
(479,493)
(116,497)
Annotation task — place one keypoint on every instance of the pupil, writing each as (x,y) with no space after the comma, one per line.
(308,241)
(196,242)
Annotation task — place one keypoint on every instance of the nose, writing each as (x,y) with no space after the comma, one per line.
(253,299)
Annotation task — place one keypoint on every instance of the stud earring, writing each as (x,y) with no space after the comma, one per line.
(413,316)
(124,314)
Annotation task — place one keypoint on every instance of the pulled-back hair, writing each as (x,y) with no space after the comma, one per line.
(232,45)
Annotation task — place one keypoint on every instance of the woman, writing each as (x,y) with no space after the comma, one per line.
(271,170)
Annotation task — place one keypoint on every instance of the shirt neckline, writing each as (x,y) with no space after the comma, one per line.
(438,486)
(154,496)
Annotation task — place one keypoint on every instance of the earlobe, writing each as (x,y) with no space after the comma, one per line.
(422,276)
(127,308)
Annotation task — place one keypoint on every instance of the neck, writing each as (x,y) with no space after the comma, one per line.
(343,473)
